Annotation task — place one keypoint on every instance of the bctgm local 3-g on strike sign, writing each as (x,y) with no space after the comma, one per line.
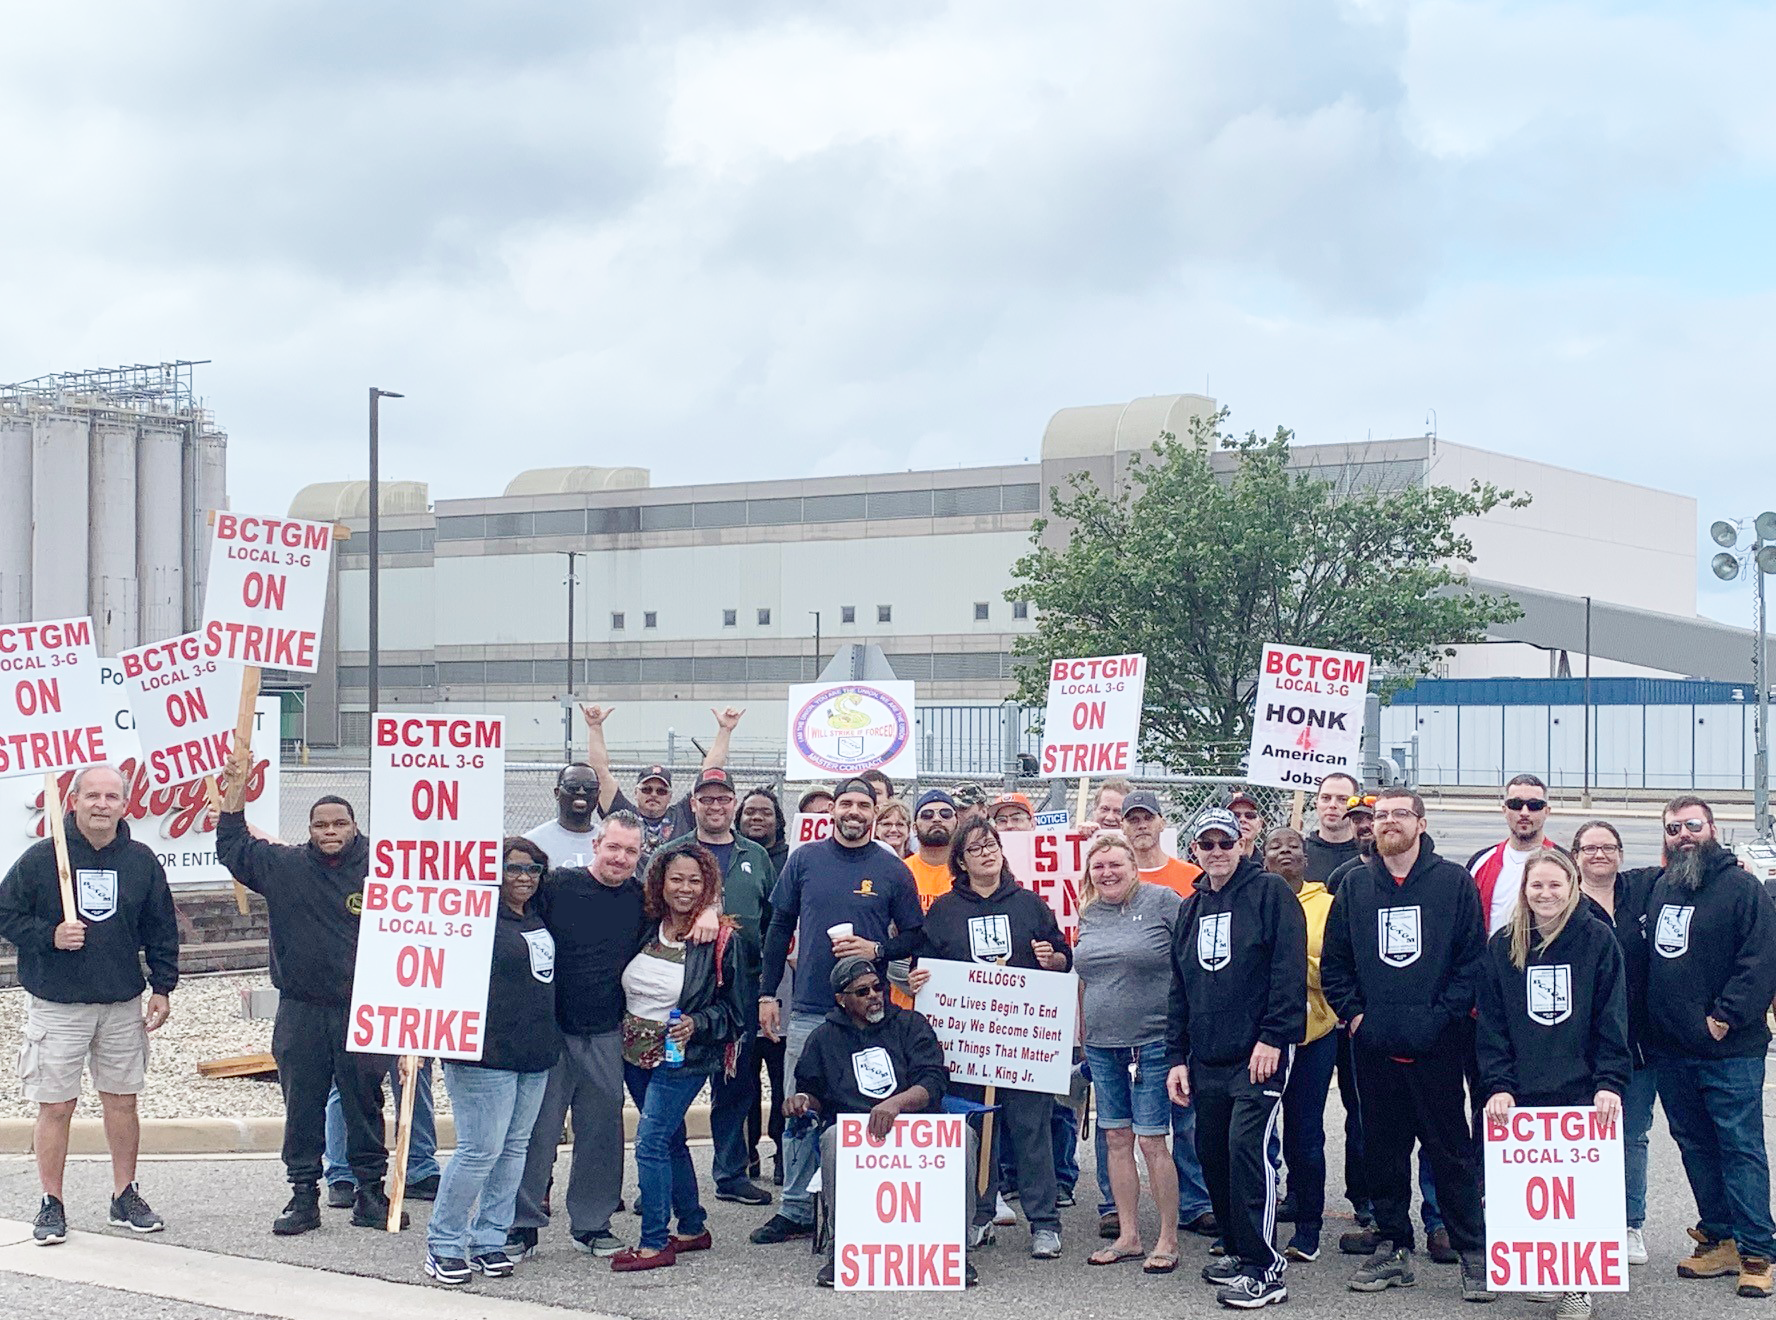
(52,708)
(897,1204)
(1556,1205)
(1309,718)
(267,591)
(184,697)
(1093,722)
(425,935)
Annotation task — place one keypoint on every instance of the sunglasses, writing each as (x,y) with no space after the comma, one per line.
(1248,815)
(1526,804)
(1214,845)
(941,813)
(523,868)
(864,991)
(1677,827)
(654,790)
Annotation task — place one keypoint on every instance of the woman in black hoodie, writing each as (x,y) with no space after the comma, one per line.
(1553,1020)
(682,1023)
(989,917)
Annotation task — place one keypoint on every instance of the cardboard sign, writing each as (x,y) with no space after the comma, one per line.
(1093,722)
(51,716)
(425,935)
(898,1203)
(267,591)
(1002,1026)
(842,729)
(1309,717)
(808,828)
(185,698)
(1556,1205)
(1052,863)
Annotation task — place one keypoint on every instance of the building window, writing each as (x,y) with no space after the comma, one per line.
(847,614)
(730,618)
(1020,609)
(650,619)
(980,611)
(616,621)
(764,618)
(884,614)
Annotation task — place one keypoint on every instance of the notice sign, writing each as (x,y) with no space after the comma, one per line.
(897,1204)
(1093,722)
(425,935)
(185,698)
(1309,717)
(841,729)
(1002,1026)
(52,713)
(1556,1208)
(267,591)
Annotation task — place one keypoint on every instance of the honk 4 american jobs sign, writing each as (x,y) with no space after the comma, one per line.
(1309,716)
(1556,1205)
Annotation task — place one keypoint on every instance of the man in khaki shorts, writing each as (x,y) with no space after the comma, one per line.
(84,981)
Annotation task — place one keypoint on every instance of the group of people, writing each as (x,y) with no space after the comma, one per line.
(658,948)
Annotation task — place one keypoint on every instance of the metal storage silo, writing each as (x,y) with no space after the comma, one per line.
(209,487)
(111,547)
(59,466)
(15,517)
(160,528)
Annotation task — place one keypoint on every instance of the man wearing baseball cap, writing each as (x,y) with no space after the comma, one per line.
(1012,812)
(934,826)
(661,817)
(1250,815)
(971,801)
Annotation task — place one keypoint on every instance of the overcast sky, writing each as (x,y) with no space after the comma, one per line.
(739,240)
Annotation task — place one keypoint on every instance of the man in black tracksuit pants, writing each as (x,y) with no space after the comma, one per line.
(313,895)
(1238,1009)
(1400,963)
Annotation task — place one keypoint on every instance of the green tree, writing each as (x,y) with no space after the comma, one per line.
(1198,569)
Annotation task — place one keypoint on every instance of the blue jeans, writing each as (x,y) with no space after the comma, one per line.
(1716,1111)
(1130,1082)
(662,1159)
(422,1144)
(495,1111)
(1304,1131)
(1637,1125)
(731,1100)
(801,1147)
(1427,1188)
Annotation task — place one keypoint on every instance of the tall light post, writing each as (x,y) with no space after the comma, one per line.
(1759,560)
(376,396)
(567,732)
(816,614)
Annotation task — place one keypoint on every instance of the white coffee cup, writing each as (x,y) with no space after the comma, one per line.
(839,932)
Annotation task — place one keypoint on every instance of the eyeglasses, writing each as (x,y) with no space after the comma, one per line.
(937,813)
(523,868)
(1011,818)
(1526,804)
(1401,814)
(715,800)
(1600,849)
(864,991)
(984,849)
(1248,815)
(1677,827)
(1213,845)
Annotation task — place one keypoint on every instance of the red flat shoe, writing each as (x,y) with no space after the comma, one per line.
(630,1259)
(702,1242)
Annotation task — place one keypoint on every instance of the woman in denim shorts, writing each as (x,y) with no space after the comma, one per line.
(1124,961)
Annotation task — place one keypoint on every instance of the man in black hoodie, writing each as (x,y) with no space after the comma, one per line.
(84,982)
(1335,841)
(313,895)
(1238,1010)
(1711,974)
(1400,964)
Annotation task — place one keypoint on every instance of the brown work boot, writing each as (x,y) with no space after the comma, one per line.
(1754,1277)
(1711,1260)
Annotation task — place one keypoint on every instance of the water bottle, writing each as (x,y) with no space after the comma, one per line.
(675,1050)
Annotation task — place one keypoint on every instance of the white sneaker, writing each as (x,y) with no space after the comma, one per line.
(1637,1246)
(1003,1214)
(1573,1306)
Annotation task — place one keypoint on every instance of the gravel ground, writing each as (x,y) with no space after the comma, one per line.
(206,1024)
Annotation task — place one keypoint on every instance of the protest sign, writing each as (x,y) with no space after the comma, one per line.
(1052,862)
(184,697)
(1556,1205)
(841,729)
(1001,1026)
(808,828)
(51,715)
(1309,716)
(898,1203)
(1093,722)
(267,590)
(1050,819)
(425,935)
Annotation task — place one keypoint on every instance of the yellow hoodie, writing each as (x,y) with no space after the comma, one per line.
(1316,902)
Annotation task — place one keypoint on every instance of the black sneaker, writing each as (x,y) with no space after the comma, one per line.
(1221,1271)
(493,1264)
(1386,1268)
(341,1195)
(423,1189)
(1248,1294)
(1064,1198)
(823,1278)
(1474,1287)
(451,1271)
(521,1244)
(371,1210)
(1286,1212)
(601,1244)
(970,1276)
(303,1214)
(778,1228)
(129,1210)
(51,1224)
(1304,1245)
(744,1192)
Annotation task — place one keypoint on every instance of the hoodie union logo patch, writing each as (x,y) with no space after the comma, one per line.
(874,1071)
(95,894)
(1671,937)
(542,954)
(1550,994)
(1401,935)
(1214,941)
(989,938)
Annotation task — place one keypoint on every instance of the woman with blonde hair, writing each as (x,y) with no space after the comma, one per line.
(894,826)
(1553,1019)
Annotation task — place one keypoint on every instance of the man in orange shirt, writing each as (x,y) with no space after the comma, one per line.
(934,825)
(1144,822)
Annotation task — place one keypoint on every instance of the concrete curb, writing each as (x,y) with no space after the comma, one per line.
(245,1136)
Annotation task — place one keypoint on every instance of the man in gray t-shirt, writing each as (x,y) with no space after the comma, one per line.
(569,838)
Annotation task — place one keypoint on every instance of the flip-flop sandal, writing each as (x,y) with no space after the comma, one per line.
(1111,1256)
(1153,1265)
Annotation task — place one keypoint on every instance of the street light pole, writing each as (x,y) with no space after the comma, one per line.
(376,396)
(567,731)
(1761,761)
(816,614)
(1587,797)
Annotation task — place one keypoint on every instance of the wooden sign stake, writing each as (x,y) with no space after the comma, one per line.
(1297,807)
(1084,790)
(397,1188)
(988,1098)
(58,830)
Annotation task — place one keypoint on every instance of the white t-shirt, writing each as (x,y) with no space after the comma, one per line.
(652,985)
(565,847)
(1510,882)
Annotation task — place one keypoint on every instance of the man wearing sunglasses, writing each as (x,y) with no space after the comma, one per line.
(1711,975)
(1498,870)
(934,826)
(1250,816)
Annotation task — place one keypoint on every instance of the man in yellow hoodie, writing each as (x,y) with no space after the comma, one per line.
(1304,1100)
